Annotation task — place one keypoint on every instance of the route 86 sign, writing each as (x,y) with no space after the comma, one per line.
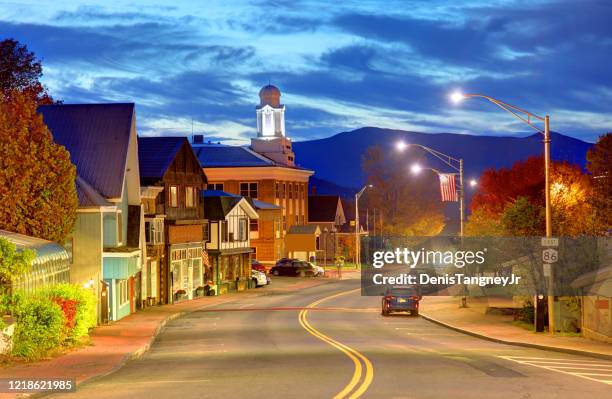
(550,255)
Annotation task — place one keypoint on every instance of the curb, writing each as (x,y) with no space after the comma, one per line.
(516,343)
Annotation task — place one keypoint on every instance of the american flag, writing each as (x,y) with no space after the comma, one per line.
(205,259)
(447,187)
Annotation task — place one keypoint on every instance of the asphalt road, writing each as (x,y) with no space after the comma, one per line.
(267,347)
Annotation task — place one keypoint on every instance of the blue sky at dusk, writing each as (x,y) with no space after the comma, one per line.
(386,64)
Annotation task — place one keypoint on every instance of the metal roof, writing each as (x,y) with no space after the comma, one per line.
(216,156)
(45,250)
(155,155)
(97,137)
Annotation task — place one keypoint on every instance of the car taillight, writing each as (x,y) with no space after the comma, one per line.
(389,297)
(414,298)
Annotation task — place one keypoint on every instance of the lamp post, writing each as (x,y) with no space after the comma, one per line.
(357,243)
(454,163)
(528,117)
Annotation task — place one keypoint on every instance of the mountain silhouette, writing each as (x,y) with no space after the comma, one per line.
(336,160)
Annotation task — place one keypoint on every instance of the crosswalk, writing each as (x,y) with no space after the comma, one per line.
(594,370)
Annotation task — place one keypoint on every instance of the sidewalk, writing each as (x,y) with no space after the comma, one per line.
(472,320)
(114,344)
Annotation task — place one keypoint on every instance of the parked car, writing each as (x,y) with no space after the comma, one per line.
(401,299)
(259,278)
(293,267)
(319,270)
(255,265)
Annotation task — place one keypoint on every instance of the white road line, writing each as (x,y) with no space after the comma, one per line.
(570,364)
(527,358)
(551,368)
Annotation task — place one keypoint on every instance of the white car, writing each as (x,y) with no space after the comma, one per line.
(259,278)
(318,270)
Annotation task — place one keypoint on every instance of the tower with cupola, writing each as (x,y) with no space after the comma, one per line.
(271,140)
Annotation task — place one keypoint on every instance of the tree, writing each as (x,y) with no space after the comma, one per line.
(13,263)
(410,205)
(20,71)
(523,218)
(37,179)
(599,165)
(505,191)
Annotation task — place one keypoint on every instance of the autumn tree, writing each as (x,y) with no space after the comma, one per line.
(20,72)
(599,165)
(37,190)
(410,205)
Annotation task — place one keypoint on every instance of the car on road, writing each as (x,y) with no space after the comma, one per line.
(401,299)
(259,278)
(255,265)
(294,267)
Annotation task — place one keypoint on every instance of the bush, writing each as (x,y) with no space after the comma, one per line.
(39,327)
(80,320)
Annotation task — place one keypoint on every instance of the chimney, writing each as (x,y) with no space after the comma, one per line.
(197,139)
(313,191)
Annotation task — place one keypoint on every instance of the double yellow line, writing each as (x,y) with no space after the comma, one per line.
(363,373)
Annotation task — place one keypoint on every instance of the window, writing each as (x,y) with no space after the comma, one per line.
(284,223)
(254,225)
(206,231)
(215,186)
(154,231)
(124,296)
(290,191)
(224,231)
(173,197)
(318,243)
(254,253)
(282,190)
(248,190)
(189,197)
(242,229)
(277,226)
(277,190)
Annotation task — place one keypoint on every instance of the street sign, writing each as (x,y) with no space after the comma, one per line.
(550,242)
(550,255)
(547,271)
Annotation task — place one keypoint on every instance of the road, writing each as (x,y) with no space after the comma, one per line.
(273,346)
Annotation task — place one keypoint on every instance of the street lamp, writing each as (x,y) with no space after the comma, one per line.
(357,243)
(454,163)
(473,183)
(528,117)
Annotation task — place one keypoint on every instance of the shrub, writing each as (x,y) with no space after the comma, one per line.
(84,301)
(39,327)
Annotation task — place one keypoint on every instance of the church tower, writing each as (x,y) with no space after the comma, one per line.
(271,140)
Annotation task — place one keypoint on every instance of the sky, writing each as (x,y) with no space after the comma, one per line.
(198,66)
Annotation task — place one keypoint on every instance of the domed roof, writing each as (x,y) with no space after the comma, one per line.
(269,95)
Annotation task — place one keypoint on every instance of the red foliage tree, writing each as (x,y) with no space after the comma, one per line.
(499,187)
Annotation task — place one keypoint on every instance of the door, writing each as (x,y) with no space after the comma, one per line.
(103,302)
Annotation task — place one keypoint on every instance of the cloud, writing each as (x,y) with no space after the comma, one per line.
(339,67)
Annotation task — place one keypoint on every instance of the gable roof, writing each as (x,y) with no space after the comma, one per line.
(155,155)
(219,156)
(97,137)
(218,204)
(323,208)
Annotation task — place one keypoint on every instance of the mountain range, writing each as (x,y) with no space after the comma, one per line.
(336,160)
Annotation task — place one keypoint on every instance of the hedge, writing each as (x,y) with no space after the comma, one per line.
(67,296)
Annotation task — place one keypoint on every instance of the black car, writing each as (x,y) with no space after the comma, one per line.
(401,299)
(293,267)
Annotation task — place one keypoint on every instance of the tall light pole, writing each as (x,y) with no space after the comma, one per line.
(527,117)
(357,242)
(454,163)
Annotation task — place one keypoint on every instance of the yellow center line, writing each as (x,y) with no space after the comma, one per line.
(357,358)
